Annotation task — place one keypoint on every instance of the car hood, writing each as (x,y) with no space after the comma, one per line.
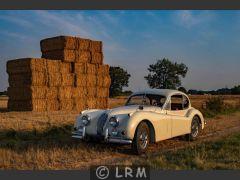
(127,110)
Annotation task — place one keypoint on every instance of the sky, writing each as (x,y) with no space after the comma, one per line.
(208,42)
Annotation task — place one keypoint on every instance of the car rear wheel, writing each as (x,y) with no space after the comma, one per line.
(141,139)
(195,129)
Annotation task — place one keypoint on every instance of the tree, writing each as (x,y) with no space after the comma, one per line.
(119,79)
(165,74)
(182,89)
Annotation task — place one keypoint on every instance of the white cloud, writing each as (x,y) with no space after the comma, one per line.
(19,20)
(190,19)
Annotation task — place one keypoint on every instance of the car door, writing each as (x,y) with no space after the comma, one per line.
(179,122)
(163,126)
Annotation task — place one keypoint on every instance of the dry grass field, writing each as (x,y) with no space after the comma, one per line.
(33,140)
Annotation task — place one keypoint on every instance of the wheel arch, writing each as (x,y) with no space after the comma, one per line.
(151,129)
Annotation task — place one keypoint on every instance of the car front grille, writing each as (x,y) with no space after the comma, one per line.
(101,122)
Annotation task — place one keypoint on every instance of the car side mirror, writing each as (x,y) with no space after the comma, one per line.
(140,107)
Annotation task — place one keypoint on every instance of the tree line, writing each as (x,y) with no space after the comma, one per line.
(164,74)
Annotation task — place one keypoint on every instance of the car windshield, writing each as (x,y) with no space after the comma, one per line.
(146,99)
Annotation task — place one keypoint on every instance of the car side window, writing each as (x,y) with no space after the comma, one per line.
(176,102)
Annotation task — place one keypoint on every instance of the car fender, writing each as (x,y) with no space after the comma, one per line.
(194,112)
(136,118)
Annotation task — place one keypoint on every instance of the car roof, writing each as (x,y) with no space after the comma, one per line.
(163,92)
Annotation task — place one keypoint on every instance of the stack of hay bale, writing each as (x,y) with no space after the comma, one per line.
(69,76)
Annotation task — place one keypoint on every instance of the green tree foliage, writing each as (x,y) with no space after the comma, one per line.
(119,79)
(165,74)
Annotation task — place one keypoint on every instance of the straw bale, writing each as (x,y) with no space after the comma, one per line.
(83,57)
(96,46)
(91,103)
(53,66)
(64,42)
(27,79)
(102,92)
(80,68)
(91,68)
(99,81)
(91,91)
(106,81)
(64,55)
(52,105)
(83,44)
(102,103)
(103,69)
(68,79)
(96,58)
(26,65)
(66,68)
(52,93)
(80,104)
(54,79)
(65,92)
(27,93)
(79,92)
(29,105)
(81,80)
(91,80)
(66,104)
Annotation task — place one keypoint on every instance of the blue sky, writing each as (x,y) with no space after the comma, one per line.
(208,42)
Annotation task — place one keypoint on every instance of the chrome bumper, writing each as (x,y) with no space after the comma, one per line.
(118,140)
(80,133)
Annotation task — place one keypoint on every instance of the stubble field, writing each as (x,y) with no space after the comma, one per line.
(32,140)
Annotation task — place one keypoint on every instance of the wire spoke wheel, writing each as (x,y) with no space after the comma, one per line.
(143,140)
(195,129)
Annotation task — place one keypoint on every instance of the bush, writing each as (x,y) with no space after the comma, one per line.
(214,106)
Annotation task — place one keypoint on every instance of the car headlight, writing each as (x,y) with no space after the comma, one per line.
(85,120)
(114,122)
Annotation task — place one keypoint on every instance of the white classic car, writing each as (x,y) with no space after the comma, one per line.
(147,117)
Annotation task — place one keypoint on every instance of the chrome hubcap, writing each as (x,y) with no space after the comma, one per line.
(195,129)
(143,140)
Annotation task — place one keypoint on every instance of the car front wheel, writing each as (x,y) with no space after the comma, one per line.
(195,129)
(141,139)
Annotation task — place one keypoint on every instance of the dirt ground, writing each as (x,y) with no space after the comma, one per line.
(65,153)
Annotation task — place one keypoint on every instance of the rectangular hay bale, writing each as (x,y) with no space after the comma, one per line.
(80,68)
(27,79)
(66,104)
(79,92)
(79,104)
(54,79)
(81,80)
(96,58)
(65,92)
(103,69)
(68,79)
(52,105)
(91,68)
(64,42)
(27,93)
(38,105)
(96,46)
(26,65)
(91,80)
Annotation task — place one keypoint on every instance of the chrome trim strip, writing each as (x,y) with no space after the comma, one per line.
(77,137)
(120,141)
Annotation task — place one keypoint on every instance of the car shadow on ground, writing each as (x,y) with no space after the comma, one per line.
(54,137)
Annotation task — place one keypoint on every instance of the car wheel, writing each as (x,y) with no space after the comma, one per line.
(195,129)
(141,139)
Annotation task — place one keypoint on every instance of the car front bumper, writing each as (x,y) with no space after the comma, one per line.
(81,134)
